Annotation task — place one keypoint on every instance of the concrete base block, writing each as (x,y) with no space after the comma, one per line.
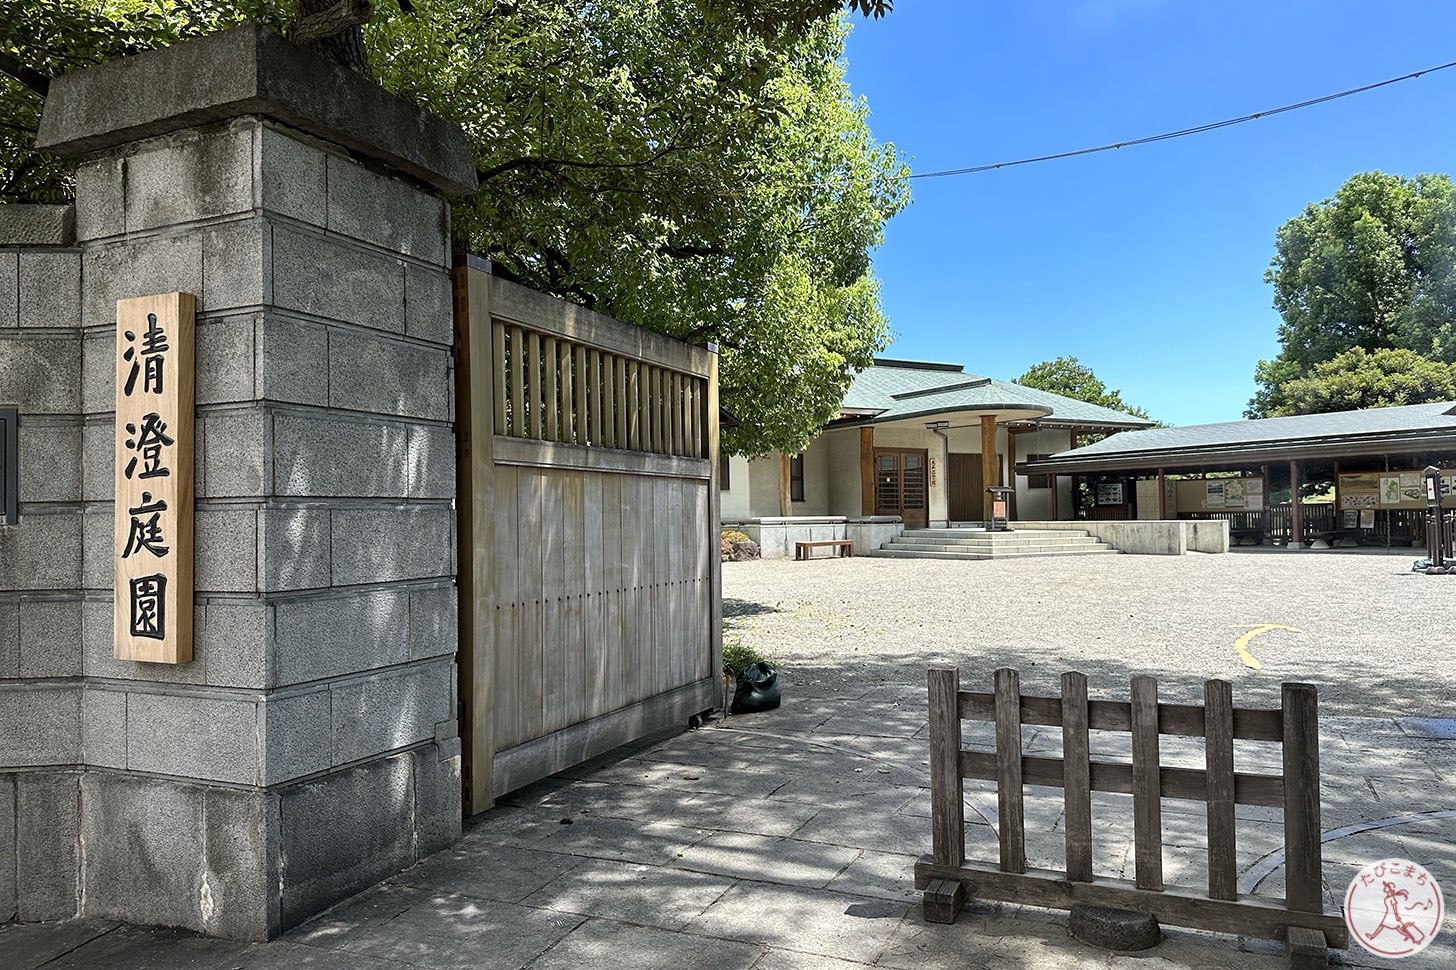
(7,848)
(943,901)
(47,821)
(1308,949)
(344,832)
(1114,929)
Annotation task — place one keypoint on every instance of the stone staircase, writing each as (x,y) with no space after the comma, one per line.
(966,543)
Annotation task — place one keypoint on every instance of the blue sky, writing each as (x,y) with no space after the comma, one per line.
(1147,263)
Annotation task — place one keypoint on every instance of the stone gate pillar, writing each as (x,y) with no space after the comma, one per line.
(310,748)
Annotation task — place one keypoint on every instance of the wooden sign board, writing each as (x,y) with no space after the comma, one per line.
(154,489)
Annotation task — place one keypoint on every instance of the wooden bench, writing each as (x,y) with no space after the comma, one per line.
(845,548)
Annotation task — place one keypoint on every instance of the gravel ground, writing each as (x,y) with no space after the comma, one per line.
(1376,638)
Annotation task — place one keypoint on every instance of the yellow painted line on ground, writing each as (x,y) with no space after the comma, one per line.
(1241,645)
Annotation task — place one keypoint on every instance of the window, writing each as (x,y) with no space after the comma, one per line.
(1038,481)
(9,473)
(796,478)
(724,464)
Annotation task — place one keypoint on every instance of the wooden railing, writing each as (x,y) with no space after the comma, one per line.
(946,876)
(551,388)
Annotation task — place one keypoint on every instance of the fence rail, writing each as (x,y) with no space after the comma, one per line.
(946,876)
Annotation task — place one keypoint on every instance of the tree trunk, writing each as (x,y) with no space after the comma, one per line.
(335,29)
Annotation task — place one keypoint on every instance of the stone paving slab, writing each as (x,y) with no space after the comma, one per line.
(786,840)
(645,895)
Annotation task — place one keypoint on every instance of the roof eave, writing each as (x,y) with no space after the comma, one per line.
(1284,450)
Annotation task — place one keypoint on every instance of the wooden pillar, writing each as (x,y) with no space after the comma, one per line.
(1010,469)
(990,467)
(1162,495)
(1076,496)
(1296,524)
(867,470)
(1056,487)
(786,505)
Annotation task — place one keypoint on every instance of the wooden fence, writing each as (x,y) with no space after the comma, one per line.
(946,876)
(587,494)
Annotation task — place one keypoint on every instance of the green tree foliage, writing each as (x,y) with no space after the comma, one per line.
(1359,378)
(1069,378)
(699,168)
(41,39)
(1372,268)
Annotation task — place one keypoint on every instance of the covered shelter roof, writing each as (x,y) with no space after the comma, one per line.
(1412,428)
(908,390)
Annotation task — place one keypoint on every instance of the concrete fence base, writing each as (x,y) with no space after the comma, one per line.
(1149,537)
(776,535)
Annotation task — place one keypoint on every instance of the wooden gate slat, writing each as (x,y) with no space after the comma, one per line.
(567,415)
(551,388)
(499,370)
(621,403)
(1077,791)
(583,433)
(518,387)
(1147,799)
(595,403)
(1011,821)
(535,395)
(1218,701)
(641,424)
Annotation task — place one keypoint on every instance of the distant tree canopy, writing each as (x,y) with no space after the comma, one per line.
(699,168)
(1360,378)
(1070,378)
(1371,269)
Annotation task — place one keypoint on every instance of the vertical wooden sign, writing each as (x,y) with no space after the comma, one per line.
(154,455)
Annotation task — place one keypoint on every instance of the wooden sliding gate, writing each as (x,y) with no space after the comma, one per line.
(588,508)
(947,877)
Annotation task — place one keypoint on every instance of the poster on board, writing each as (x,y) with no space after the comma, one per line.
(1392,490)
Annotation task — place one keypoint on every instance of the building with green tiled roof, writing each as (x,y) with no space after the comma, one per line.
(922,440)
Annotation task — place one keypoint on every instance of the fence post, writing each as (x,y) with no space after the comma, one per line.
(943,899)
(1077,784)
(1304,888)
(1218,735)
(1011,823)
(1147,793)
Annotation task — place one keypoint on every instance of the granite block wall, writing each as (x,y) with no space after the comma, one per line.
(309,749)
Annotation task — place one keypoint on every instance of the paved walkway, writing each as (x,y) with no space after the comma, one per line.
(775,841)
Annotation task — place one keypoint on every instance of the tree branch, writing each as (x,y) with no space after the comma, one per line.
(541,162)
(28,76)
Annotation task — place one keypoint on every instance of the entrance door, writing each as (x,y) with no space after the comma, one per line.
(900,485)
(968,488)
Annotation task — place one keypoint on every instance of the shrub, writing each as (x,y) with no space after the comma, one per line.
(726,540)
(738,657)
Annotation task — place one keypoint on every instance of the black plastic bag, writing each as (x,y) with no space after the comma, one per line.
(757,690)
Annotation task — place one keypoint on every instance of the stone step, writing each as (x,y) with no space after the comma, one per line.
(891,552)
(996,551)
(1002,536)
(993,543)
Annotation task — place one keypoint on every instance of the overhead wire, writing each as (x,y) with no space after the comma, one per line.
(1183,132)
